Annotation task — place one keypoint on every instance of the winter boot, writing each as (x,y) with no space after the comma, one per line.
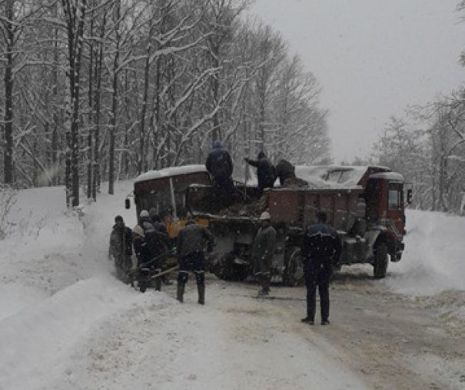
(201,291)
(180,292)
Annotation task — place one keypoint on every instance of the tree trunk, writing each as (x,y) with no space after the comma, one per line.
(8,82)
(114,107)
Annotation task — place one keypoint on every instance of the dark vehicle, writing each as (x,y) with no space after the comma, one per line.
(365,205)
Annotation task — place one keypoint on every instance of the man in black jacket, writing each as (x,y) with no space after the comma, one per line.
(190,247)
(220,166)
(262,253)
(266,174)
(144,257)
(156,243)
(121,247)
(321,247)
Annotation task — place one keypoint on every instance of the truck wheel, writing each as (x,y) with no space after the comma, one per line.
(381,260)
(294,272)
(226,269)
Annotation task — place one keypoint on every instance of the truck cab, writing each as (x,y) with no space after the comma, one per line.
(385,209)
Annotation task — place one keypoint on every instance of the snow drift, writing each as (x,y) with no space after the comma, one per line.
(434,257)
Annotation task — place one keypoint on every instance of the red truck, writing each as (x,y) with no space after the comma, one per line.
(365,204)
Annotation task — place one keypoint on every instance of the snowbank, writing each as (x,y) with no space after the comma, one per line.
(434,257)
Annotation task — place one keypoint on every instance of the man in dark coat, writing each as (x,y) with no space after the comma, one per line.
(121,247)
(144,257)
(262,253)
(266,174)
(156,244)
(190,247)
(321,247)
(285,171)
(164,241)
(219,165)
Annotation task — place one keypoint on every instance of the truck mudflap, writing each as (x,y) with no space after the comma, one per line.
(398,254)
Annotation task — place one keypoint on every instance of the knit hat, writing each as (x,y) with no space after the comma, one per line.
(138,230)
(265,216)
(144,214)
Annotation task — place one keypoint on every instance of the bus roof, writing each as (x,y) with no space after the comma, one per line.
(170,171)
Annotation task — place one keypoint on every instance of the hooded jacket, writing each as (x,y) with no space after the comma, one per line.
(219,163)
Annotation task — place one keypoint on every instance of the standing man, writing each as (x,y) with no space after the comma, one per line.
(156,244)
(144,257)
(219,165)
(321,246)
(190,248)
(266,174)
(262,253)
(121,247)
(164,241)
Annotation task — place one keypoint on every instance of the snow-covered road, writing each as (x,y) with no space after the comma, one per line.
(66,323)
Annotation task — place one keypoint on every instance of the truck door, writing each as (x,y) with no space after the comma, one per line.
(395,207)
(374,200)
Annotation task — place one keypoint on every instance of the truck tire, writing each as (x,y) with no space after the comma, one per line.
(226,269)
(294,269)
(381,260)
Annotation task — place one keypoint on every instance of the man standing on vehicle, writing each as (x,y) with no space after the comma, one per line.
(190,248)
(262,253)
(265,171)
(219,165)
(121,248)
(321,247)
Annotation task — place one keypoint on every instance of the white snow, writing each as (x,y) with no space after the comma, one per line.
(171,171)
(434,257)
(332,176)
(392,176)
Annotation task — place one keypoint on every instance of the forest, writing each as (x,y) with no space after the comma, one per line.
(96,91)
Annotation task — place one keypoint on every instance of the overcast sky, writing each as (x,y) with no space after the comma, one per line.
(372,58)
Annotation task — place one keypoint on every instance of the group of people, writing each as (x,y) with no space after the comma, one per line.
(220,166)
(150,242)
(320,248)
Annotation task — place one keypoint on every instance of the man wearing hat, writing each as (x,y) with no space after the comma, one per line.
(262,253)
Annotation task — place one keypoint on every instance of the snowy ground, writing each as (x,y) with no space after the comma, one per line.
(66,323)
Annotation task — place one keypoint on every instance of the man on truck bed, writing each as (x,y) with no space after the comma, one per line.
(265,171)
(321,245)
(190,245)
(285,171)
(262,253)
(219,165)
